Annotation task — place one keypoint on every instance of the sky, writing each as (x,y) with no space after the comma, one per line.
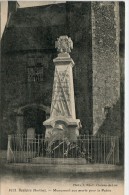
(3,16)
(26,3)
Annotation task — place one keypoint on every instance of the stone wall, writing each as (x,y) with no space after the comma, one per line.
(106,70)
(79,17)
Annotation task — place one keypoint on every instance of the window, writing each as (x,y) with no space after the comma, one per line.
(35,73)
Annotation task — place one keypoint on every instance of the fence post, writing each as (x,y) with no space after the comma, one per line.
(88,150)
(10,154)
(35,146)
(101,150)
(91,139)
(42,145)
(118,150)
(104,150)
(98,151)
(22,153)
(113,146)
(38,145)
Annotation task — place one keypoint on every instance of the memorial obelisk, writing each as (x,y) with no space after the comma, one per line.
(62,122)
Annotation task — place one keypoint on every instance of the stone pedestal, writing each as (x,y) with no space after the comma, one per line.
(62,122)
(61,128)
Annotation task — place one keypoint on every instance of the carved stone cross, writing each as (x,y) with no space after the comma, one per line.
(64,44)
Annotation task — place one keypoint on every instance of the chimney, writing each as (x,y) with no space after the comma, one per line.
(12,7)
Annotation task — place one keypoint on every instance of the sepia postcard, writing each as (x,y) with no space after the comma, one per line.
(62,91)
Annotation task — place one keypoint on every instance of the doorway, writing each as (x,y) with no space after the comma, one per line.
(34,118)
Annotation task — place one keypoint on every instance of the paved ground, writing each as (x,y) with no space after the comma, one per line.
(89,172)
(95,183)
(28,178)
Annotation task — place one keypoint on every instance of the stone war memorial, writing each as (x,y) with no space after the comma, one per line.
(62,124)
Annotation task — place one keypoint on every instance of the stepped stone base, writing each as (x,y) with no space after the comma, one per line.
(69,161)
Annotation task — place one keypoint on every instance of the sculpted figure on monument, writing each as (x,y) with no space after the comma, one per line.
(64,44)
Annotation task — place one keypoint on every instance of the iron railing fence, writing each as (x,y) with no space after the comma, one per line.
(101,149)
